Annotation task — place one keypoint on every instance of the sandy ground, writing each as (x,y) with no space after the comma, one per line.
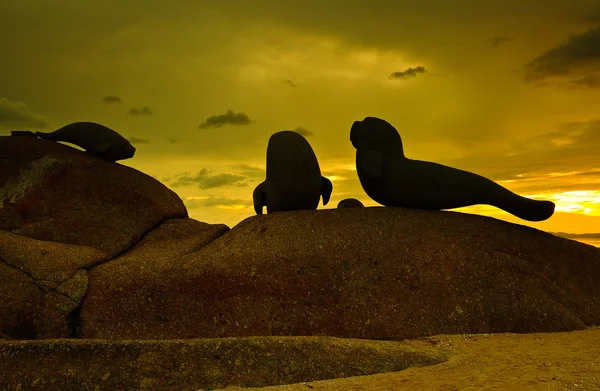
(541,361)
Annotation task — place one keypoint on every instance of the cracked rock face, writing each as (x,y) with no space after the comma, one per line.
(41,283)
(62,211)
(150,273)
(374,273)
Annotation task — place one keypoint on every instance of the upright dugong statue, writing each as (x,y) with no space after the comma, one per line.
(391,179)
(293,179)
(96,139)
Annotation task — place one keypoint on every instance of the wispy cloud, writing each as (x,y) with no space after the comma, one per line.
(137,140)
(249,171)
(290,83)
(588,81)
(206,179)
(224,201)
(562,160)
(212,201)
(229,118)
(14,114)
(499,40)
(303,131)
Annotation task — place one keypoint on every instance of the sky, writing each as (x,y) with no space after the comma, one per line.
(506,89)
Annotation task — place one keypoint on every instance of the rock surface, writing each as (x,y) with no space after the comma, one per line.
(63,211)
(199,364)
(41,284)
(150,274)
(501,362)
(374,273)
(50,191)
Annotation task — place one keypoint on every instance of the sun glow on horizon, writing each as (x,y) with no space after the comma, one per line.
(583,201)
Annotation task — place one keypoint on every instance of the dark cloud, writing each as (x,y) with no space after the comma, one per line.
(290,83)
(499,40)
(410,72)
(229,118)
(19,115)
(111,99)
(303,131)
(137,140)
(172,140)
(580,53)
(143,111)
(204,179)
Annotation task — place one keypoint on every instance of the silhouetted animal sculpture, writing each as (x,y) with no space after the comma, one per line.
(96,139)
(391,179)
(293,178)
(350,203)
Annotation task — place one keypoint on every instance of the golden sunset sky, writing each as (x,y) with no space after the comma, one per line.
(507,89)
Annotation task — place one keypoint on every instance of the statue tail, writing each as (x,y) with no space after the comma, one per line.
(23,133)
(528,209)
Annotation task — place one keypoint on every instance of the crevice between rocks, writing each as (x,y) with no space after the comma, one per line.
(35,279)
(45,289)
(73,322)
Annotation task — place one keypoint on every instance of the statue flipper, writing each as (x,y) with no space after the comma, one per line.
(260,198)
(326,190)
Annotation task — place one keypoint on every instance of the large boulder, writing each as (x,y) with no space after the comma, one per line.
(50,191)
(62,211)
(376,273)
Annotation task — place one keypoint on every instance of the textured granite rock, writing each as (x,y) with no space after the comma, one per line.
(50,191)
(63,211)
(41,284)
(370,273)
(199,364)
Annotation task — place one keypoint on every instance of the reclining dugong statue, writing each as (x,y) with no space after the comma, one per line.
(293,179)
(96,139)
(391,179)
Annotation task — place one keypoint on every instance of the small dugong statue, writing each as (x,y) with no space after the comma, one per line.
(391,179)
(293,179)
(96,139)
(350,203)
